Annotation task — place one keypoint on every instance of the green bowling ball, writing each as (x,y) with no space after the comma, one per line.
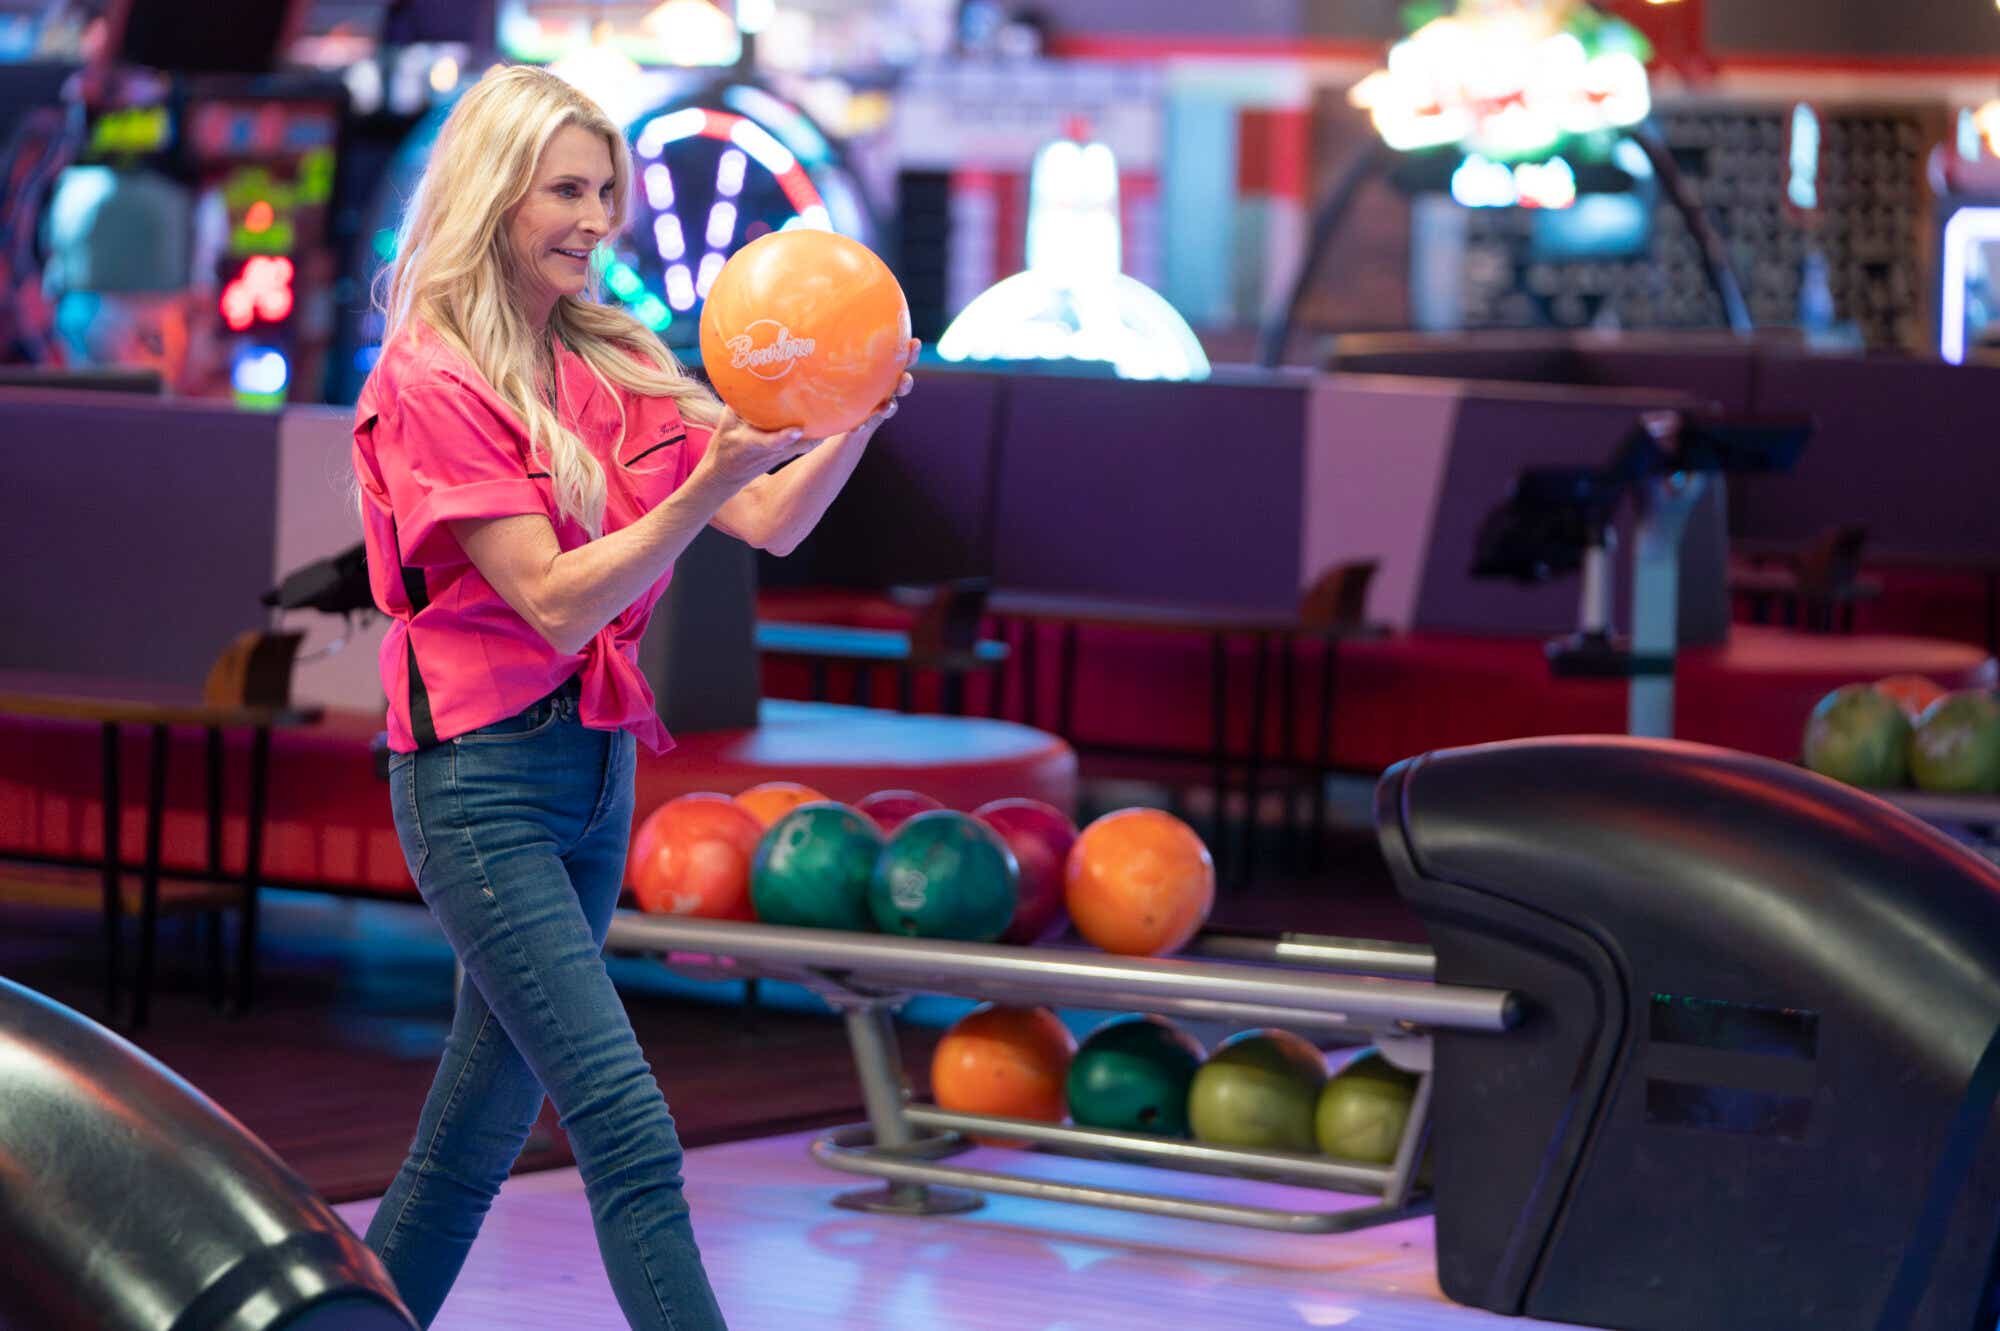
(812,868)
(1132,1075)
(1364,1109)
(1956,747)
(945,874)
(1859,736)
(1259,1090)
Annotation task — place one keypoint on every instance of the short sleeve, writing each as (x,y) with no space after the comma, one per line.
(443,454)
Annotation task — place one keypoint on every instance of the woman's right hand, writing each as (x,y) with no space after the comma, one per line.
(738,452)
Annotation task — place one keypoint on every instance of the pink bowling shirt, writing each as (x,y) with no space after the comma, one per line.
(432,443)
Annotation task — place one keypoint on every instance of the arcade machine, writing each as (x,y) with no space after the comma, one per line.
(718,168)
(1965,178)
(186,234)
(1536,104)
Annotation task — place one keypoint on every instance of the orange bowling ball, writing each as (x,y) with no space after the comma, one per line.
(805,329)
(774,799)
(692,857)
(1012,1062)
(1913,693)
(1139,882)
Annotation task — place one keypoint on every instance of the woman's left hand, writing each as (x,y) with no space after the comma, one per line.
(888,408)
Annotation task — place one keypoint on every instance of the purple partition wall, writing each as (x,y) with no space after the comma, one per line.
(140,536)
(918,508)
(1904,448)
(1170,491)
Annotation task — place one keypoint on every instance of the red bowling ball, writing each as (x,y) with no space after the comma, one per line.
(890,809)
(1040,836)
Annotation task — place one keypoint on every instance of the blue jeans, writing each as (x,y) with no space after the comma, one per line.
(515,835)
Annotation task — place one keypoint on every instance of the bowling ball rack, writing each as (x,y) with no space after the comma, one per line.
(1354,990)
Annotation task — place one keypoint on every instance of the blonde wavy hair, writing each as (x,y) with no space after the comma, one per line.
(455,273)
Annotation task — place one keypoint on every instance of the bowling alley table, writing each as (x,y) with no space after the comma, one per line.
(1023,614)
(113,705)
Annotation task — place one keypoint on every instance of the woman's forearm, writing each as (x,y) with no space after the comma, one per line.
(796,498)
(593,584)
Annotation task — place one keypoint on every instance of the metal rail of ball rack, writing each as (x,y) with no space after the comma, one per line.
(1306,983)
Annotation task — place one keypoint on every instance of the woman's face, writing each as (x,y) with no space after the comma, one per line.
(567,211)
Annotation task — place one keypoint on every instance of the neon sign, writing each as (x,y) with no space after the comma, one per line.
(1508,79)
(262,290)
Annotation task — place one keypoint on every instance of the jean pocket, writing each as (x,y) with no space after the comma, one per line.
(409,821)
(527,723)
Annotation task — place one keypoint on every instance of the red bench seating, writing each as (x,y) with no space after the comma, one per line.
(329,826)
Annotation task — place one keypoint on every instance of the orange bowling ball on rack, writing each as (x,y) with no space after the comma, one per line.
(774,799)
(1139,882)
(692,857)
(805,329)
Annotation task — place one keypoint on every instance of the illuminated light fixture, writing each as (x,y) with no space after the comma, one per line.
(704,277)
(259,216)
(652,312)
(1508,81)
(1987,121)
(755,15)
(1550,184)
(721,225)
(729,173)
(695,32)
(782,119)
(1481,182)
(623,281)
(671,128)
(1802,187)
(260,371)
(1073,302)
(680,287)
(1967,229)
(600,71)
(444,74)
(259,376)
(754,139)
(659,184)
(668,238)
(262,290)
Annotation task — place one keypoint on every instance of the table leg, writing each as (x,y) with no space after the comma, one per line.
(149,900)
(1066,684)
(1218,721)
(114,910)
(253,868)
(1329,667)
(212,919)
(1254,769)
(1030,631)
(1993,613)
(1287,720)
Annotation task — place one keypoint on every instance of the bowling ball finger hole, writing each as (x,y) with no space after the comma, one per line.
(1149,1115)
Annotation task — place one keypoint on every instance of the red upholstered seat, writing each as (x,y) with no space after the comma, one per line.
(329,822)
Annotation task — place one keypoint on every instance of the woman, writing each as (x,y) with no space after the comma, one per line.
(531,463)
